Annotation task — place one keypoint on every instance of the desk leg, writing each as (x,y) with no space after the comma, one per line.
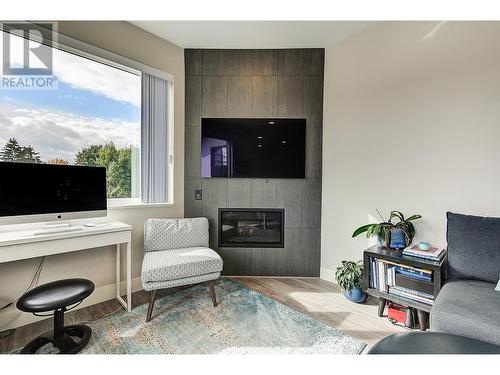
(118,264)
(128,303)
(129,276)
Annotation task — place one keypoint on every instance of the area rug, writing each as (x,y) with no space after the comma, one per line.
(245,322)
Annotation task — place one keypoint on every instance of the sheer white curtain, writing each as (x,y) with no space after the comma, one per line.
(154,139)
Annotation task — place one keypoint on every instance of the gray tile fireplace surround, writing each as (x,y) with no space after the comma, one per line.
(258,83)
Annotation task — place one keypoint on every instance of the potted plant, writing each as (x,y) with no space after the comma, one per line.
(349,276)
(397,232)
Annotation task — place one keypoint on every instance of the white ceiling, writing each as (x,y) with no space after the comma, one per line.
(253,34)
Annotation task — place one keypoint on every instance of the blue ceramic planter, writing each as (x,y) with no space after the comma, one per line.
(355,295)
(398,239)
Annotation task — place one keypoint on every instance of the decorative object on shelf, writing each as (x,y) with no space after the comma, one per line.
(422,245)
(403,230)
(349,276)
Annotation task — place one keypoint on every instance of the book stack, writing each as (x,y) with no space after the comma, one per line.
(378,274)
(412,294)
(433,254)
(411,283)
(402,280)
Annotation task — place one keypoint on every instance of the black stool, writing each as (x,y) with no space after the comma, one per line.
(432,343)
(57,296)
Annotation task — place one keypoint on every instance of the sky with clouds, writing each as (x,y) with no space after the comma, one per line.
(93,104)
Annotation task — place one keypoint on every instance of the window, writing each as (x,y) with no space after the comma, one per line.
(93,117)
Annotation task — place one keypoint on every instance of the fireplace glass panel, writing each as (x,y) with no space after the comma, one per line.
(251,227)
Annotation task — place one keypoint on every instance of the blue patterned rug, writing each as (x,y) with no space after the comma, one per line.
(245,322)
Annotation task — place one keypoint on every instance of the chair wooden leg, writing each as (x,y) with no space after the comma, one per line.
(212,292)
(152,297)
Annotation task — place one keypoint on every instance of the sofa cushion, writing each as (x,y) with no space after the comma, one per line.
(473,247)
(174,264)
(164,234)
(468,308)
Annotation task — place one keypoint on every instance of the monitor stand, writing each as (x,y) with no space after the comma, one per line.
(57,228)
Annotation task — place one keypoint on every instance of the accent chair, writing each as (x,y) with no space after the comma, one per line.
(177,253)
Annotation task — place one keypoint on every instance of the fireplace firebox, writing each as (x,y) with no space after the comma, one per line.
(251,227)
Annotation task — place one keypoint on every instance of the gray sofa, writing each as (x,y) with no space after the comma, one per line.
(468,304)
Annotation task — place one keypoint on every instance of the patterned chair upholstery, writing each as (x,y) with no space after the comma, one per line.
(176,253)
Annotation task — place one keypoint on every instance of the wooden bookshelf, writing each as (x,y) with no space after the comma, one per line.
(395,256)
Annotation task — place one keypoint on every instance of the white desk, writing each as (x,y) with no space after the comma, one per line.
(18,245)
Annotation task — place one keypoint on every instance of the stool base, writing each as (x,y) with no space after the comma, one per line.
(66,343)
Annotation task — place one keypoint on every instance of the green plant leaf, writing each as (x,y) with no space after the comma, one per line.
(414,217)
(362,229)
(397,214)
(386,224)
(370,230)
(350,275)
(411,230)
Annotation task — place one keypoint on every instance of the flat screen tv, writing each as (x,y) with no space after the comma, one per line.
(257,147)
(32,192)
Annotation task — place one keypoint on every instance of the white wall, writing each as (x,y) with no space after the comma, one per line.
(412,123)
(98,264)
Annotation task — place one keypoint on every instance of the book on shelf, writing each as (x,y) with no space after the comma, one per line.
(381,272)
(391,275)
(434,253)
(414,275)
(412,294)
(418,270)
(415,284)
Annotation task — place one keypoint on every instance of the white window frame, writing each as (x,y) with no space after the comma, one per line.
(91,52)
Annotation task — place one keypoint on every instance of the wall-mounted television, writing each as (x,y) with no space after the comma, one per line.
(31,192)
(253,147)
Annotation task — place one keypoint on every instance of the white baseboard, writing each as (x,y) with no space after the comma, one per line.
(327,274)
(13,318)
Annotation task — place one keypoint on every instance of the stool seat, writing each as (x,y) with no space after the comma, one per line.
(55,295)
(432,343)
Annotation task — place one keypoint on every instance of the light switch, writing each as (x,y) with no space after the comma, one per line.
(198,194)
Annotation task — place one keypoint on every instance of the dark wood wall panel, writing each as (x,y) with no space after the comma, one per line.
(214,62)
(239,96)
(290,96)
(193,95)
(265,96)
(265,62)
(213,96)
(258,83)
(291,62)
(239,62)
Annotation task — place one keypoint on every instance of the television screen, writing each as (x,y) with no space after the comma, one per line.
(265,148)
(36,189)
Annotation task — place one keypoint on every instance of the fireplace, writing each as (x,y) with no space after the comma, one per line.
(251,227)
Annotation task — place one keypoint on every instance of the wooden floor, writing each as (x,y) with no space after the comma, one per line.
(314,297)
